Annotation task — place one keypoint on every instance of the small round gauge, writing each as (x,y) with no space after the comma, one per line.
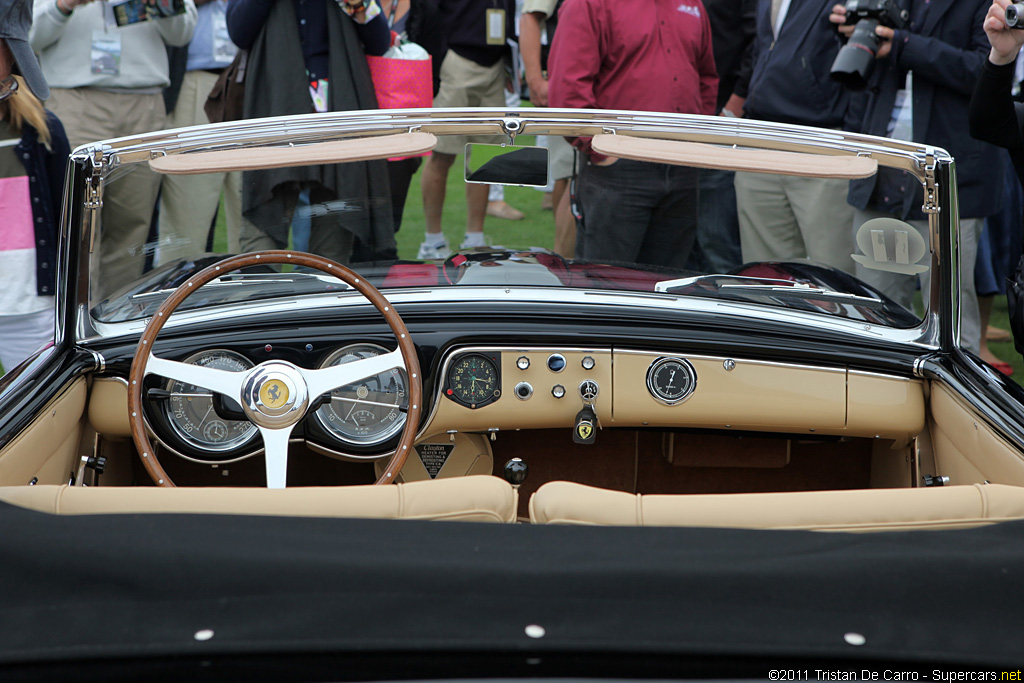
(671,380)
(189,409)
(473,380)
(369,411)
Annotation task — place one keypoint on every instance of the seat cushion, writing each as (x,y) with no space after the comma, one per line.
(947,507)
(477,498)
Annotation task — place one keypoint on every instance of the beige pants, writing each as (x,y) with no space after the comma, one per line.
(464,83)
(790,217)
(188,203)
(90,115)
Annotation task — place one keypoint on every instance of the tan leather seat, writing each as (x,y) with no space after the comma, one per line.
(948,507)
(477,498)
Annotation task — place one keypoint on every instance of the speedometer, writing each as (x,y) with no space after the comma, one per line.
(369,411)
(190,412)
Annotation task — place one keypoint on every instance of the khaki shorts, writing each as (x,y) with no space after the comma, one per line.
(464,83)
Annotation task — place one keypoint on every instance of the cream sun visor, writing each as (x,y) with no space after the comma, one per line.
(706,155)
(260,158)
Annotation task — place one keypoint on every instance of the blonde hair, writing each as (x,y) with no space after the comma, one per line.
(25,108)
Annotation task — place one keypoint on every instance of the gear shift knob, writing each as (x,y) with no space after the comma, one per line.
(515,471)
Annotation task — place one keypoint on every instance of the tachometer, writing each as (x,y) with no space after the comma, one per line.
(369,411)
(473,380)
(189,409)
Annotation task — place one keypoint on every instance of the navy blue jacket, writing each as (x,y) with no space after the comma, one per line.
(946,55)
(790,82)
(45,169)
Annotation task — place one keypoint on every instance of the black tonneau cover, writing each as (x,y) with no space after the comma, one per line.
(143,586)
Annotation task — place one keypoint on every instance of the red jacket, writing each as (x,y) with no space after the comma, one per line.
(641,55)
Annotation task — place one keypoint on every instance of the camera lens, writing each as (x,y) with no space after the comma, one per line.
(1013,15)
(853,64)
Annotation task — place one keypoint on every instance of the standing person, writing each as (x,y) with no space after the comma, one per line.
(472,75)
(310,56)
(784,217)
(997,119)
(537,27)
(607,55)
(924,75)
(33,156)
(189,203)
(106,82)
(413,21)
(733,27)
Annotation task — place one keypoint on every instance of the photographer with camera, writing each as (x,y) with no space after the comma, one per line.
(919,89)
(996,118)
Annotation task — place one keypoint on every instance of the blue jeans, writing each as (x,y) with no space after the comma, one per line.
(718,231)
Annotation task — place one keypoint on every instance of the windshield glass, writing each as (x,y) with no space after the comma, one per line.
(569,219)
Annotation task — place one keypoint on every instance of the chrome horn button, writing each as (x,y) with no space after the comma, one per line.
(274,395)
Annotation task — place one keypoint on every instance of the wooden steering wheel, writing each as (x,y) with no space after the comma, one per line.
(275,395)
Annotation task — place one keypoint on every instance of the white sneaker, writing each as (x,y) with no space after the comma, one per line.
(429,252)
(484,245)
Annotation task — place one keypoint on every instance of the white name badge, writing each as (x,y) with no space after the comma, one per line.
(105,53)
(495,27)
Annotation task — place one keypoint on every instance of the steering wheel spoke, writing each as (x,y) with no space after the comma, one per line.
(275,447)
(224,382)
(325,380)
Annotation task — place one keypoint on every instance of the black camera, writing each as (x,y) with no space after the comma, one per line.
(853,64)
(1015,15)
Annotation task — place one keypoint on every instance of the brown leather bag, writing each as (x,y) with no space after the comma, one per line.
(227,98)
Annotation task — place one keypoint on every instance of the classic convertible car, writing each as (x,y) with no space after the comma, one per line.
(236,465)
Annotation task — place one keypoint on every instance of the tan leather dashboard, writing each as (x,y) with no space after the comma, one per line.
(729,393)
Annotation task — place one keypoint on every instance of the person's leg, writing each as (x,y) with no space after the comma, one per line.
(259,225)
(188,203)
(823,217)
(433,185)
(768,227)
(673,223)
(616,202)
(565,226)
(328,235)
(718,230)
(128,202)
(233,209)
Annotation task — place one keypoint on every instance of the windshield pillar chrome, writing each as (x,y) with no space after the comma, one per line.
(931,186)
(94,194)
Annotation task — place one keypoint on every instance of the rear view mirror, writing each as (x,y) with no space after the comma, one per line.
(506,165)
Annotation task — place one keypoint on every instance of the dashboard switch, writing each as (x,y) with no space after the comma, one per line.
(558,391)
(524,391)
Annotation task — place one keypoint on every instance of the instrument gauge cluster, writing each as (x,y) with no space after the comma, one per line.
(361,419)
(192,420)
(369,411)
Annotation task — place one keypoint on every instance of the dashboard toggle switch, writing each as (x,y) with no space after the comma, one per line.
(584,430)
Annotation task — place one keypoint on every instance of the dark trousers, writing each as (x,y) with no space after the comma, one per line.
(637,212)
